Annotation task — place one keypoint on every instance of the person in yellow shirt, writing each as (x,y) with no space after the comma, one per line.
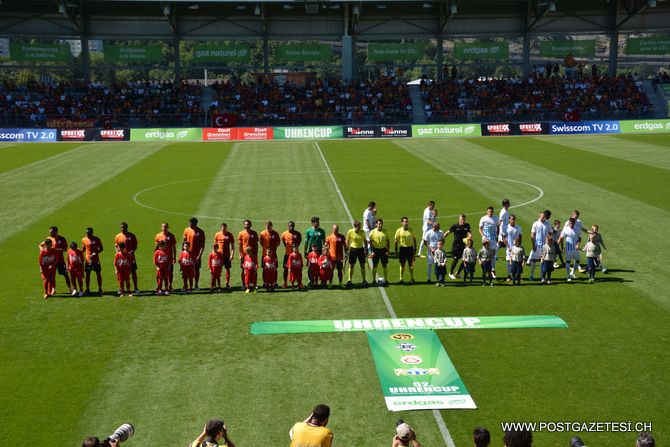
(405,246)
(357,245)
(380,242)
(312,432)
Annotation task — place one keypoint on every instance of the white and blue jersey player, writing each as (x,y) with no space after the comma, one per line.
(570,239)
(538,235)
(578,230)
(488,229)
(512,232)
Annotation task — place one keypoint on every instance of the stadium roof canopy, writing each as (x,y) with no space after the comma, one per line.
(291,19)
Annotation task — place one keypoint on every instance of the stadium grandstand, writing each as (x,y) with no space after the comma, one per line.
(85,63)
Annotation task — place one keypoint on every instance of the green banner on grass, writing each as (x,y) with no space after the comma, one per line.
(395,52)
(189,134)
(307,133)
(416,373)
(133,53)
(303,53)
(446,130)
(401,324)
(645,126)
(221,53)
(648,45)
(481,50)
(561,48)
(43,52)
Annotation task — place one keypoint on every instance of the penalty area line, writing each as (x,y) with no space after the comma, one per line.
(448,440)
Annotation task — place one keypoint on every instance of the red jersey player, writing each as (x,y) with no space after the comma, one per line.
(269,270)
(289,238)
(313,266)
(122,265)
(215,265)
(93,247)
(75,266)
(250,270)
(48,259)
(187,267)
(226,242)
(59,245)
(325,269)
(130,240)
(170,249)
(247,238)
(163,263)
(295,267)
(196,241)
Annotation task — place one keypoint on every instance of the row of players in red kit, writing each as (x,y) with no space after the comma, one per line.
(82,263)
(320,269)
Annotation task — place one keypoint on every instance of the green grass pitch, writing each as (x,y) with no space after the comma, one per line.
(76,367)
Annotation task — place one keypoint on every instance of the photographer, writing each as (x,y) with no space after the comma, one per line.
(312,431)
(404,436)
(214,431)
(93,441)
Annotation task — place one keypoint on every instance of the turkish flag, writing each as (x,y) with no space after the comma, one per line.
(224,119)
(571,117)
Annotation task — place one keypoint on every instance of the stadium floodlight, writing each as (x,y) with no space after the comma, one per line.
(454,8)
(194,6)
(552,6)
(651,3)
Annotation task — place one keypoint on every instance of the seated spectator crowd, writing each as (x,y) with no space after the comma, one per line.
(266,102)
(538,98)
(139,104)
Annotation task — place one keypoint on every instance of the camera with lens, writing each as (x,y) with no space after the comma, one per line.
(121,434)
(576,441)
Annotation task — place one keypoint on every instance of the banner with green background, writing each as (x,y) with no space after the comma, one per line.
(39,52)
(221,53)
(648,45)
(188,134)
(303,53)
(481,50)
(446,130)
(416,373)
(133,53)
(645,126)
(381,324)
(395,52)
(307,133)
(561,48)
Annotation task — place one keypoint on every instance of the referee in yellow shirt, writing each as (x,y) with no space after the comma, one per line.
(357,250)
(405,245)
(380,243)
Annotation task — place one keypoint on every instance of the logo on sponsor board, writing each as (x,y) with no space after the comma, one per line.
(360,132)
(115,134)
(531,128)
(498,128)
(394,132)
(411,359)
(416,371)
(401,336)
(73,134)
(406,347)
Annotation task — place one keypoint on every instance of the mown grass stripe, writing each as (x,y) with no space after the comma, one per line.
(38,191)
(29,155)
(626,149)
(623,177)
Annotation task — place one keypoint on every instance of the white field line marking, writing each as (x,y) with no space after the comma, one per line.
(136,196)
(436,414)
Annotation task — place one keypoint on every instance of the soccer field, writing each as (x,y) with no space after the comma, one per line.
(81,366)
